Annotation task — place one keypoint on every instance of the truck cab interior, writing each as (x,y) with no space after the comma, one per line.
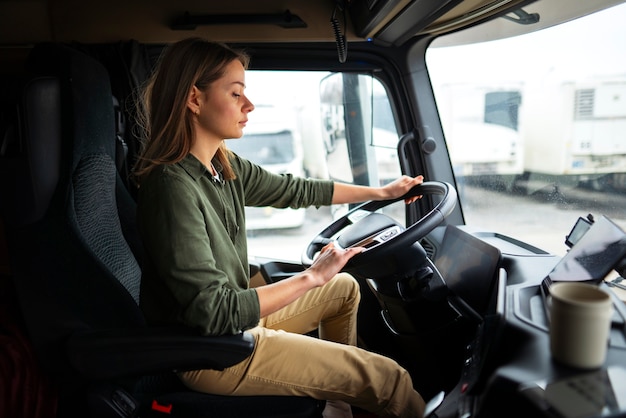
(514,111)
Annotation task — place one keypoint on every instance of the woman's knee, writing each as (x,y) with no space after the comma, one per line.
(348,286)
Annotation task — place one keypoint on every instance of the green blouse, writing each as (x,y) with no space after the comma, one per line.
(196,269)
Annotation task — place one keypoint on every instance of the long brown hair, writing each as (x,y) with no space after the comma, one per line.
(163,112)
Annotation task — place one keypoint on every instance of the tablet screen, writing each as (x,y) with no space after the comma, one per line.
(593,256)
(469,266)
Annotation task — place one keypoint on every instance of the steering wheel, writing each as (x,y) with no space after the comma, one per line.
(378,233)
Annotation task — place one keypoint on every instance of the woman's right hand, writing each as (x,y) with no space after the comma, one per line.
(330,261)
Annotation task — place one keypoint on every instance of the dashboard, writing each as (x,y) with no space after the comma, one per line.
(508,363)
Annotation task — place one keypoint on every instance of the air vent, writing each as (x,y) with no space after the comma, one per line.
(584,102)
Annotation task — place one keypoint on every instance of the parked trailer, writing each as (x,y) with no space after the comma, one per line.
(481,127)
(578,134)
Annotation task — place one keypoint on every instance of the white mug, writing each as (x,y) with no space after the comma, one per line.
(580,323)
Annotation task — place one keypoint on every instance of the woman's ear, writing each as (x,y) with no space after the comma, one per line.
(193,100)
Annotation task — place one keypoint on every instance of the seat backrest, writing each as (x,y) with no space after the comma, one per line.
(73,265)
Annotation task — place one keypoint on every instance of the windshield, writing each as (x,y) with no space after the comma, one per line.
(536,126)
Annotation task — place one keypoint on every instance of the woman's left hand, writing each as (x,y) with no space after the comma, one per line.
(352,193)
(401,186)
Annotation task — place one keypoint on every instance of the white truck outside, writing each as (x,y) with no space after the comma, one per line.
(481,127)
(272,139)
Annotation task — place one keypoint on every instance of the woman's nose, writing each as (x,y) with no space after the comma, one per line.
(248,107)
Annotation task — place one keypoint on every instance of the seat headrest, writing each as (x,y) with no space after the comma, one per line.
(87,102)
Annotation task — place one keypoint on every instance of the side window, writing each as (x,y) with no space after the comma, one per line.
(324,125)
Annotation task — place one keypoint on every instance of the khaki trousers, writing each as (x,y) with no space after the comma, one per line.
(285,362)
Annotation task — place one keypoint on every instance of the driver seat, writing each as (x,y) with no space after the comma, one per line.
(76,258)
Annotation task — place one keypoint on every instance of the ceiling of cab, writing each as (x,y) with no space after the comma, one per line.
(161,21)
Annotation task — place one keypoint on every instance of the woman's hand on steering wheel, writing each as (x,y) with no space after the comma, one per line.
(331,261)
(381,233)
(402,186)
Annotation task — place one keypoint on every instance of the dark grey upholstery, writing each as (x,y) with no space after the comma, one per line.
(92,220)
